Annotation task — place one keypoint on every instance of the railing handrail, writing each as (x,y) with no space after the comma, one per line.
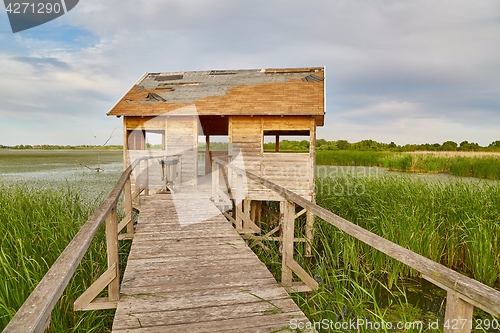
(470,290)
(35,312)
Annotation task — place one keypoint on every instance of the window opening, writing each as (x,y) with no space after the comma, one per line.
(287,141)
(155,140)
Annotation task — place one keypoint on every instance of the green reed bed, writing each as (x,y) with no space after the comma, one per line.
(36,225)
(464,164)
(486,167)
(350,157)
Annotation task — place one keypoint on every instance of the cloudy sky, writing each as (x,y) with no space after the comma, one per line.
(404,71)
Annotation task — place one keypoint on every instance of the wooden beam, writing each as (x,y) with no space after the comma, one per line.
(300,213)
(302,274)
(298,287)
(91,293)
(125,222)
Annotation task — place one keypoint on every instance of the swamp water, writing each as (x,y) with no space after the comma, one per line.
(62,169)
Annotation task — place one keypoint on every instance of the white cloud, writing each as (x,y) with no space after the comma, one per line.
(418,66)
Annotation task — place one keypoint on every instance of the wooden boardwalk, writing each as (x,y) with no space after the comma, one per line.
(189,271)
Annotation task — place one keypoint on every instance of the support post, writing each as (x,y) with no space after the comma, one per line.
(287,214)
(146,191)
(127,206)
(137,190)
(239,202)
(215,182)
(309,233)
(458,316)
(246,214)
(112,250)
(208,157)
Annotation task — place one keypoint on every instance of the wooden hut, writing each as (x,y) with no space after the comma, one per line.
(246,107)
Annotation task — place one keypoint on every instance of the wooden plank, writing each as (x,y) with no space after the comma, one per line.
(227,248)
(193,286)
(215,312)
(252,324)
(217,268)
(186,261)
(186,299)
(162,277)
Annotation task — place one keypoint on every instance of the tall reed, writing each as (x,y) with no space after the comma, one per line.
(36,225)
(454,223)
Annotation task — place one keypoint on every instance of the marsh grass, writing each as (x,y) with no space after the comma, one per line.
(36,225)
(350,157)
(479,166)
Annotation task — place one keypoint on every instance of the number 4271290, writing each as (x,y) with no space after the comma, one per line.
(33,8)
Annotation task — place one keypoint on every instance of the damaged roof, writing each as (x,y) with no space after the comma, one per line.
(285,91)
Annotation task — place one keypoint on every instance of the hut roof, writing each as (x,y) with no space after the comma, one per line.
(288,91)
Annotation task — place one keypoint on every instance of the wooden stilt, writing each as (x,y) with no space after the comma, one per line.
(458,316)
(287,210)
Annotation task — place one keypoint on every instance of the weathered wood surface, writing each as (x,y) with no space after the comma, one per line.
(196,277)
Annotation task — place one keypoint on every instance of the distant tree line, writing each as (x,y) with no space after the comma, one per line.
(321,144)
(371,145)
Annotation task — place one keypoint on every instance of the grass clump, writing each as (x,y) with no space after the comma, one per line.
(36,225)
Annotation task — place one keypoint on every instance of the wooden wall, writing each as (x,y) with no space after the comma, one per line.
(180,137)
(294,171)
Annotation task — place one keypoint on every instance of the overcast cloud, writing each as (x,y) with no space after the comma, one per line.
(404,71)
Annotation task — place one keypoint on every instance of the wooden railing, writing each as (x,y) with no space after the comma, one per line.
(34,314)
(463,293)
